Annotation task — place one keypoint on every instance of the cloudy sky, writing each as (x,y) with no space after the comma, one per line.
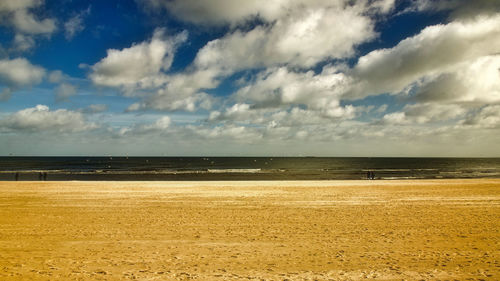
(255,77)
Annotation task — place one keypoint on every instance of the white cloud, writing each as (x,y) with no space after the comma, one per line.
(279,86)
(383,6)
(25,22)
(217,12)
(431,5)
(42,119)
(303,39)
(242,134)
(293,34)
(95,108)
(5,94)
(13,5)
(395,118)
(487,117)
(19,16)
(56,76)
(272,124)
(75,24)
(238,112)
(181,92)
(429,112)
(159,126)
(272,117)
(458,8)
(475,81)
(424,113)
(139,66)
(382,108)
(435,50)
(17,13)
(297,117)
(23,42)
(65,91)
(20,72)
(163,100)
(300,34)
(288,105)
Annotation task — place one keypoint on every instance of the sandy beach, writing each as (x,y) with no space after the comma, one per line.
(250,230)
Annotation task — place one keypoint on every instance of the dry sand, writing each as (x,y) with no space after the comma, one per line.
(305,230)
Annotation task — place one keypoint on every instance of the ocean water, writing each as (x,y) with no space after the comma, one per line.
(243,168)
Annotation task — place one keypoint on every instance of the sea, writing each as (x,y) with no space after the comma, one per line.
(243,168)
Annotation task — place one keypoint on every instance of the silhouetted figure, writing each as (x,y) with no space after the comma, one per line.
(40,176)
(368,175)
(372,176)
(17,176)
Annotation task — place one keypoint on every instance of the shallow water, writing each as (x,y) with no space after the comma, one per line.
(244,168)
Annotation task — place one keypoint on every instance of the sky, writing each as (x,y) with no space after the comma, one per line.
(368,78)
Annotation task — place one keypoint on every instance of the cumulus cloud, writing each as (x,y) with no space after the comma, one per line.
(447,71)
(476,81)
(56,76)
(289,104)
(143,66)
(435,50)
(15,73)
(182,91)
(14,5)
(41,119)
(23,42)
(458,8)
(426,113)
(139,66)
(75,24)
(239,133)
(423,113)
(487,117)
(5,94)
(219,12)
(238,112)
(159,126)
(292,34)
(303,39)
(95,108)
(279,86)
(164,100)
(17,13)
(299,34)
(65,91)
(273,124)
(268,117)
(25,22)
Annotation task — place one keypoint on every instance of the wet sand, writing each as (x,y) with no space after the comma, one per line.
(248,230)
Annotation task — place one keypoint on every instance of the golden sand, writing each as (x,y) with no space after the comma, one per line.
(300,230)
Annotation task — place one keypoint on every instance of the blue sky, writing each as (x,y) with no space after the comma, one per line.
(221,77)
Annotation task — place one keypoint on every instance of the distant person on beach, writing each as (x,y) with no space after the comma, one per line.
(368,175)
(372,176)
(40,176)
(16,176)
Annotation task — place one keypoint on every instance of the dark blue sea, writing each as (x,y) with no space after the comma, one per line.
(243,168)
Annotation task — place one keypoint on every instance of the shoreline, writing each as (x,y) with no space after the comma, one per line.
(221,176)
(210,182)
(250,230)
